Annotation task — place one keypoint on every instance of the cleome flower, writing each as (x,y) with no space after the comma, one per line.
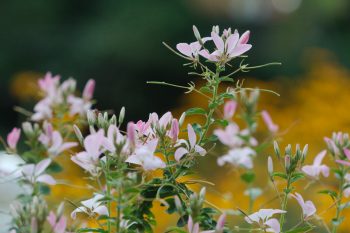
(95,144)
(194,227)
(13,137)
(264,220)
(53,140)
(238,157)
(308,207)
(144,156)
(191,50)
(233,137)
(91,207)
(58,225)
(190,147)
(228,46)
(317,167)
(35,173)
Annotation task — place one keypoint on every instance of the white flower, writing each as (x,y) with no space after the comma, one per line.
(91,207)
(264,220)
(308,207)
(34,172)
(190,147)
(144,156)
(317,167)
(238,157)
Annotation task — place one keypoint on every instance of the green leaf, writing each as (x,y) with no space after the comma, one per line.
(226,79)
(297,176)
(196,111)
(221,122)
(55,167)
(331,193)
(280,174)
(205,89)
(248,177)
(44,189)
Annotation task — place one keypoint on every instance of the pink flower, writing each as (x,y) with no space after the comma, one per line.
(53,141)
(89,89)
(78,105)
(42,110)
(174,130)
(238,157)
(144,156)
(229,109)
(268,121)
(194,227)
(91,207)
(230,136)
(34,172)
(57,225)
(190,147)
(49,83)
(233,46)
(264,220)
(347,154)
(308,207)
(191,50)
(13,137)
(95,144)
(317,168)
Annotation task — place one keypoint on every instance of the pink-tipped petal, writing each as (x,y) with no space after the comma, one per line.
(191,136)
(244,38)
(318,159)
(185,49)
(218,41)
(47,179)
(89,89)
(347,153)
(13,137)
(229,109)
(41,166)
(179,153)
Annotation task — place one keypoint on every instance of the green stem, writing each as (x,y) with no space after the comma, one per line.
(285,201)
(338,201)
(108,193)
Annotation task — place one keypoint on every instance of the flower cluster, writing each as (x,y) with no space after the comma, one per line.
(130,167)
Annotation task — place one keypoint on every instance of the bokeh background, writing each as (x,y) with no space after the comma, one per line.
(119,44)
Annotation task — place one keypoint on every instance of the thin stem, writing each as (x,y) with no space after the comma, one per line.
(338,202)
(285,201)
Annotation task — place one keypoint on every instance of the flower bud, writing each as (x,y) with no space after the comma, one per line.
(182,119)
(221,223)
(131,133)
(121,115)
(78,134)
(60,210)
(288,149)
(113,120)
(174,130)
(270,165)
(34,225)
(304,153)
(28,129)
(91,117)
(277,149)
(89,89)
(229,109)
(178,204)
(287,162)
(197,34)
(100,120)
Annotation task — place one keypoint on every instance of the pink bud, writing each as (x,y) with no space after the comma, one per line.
(131,133)
(244,38)
(13,137)
(269,165)
(221,223)
(268,121)
(89,89)
(229,109)
(174,131)
(347,153)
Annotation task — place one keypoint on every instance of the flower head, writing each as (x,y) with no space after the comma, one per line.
(317,167)
(308,207)
(191,146)
(144,156)
(238,157)
(35,172)
(264,220)
(53,140)
(91,207)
